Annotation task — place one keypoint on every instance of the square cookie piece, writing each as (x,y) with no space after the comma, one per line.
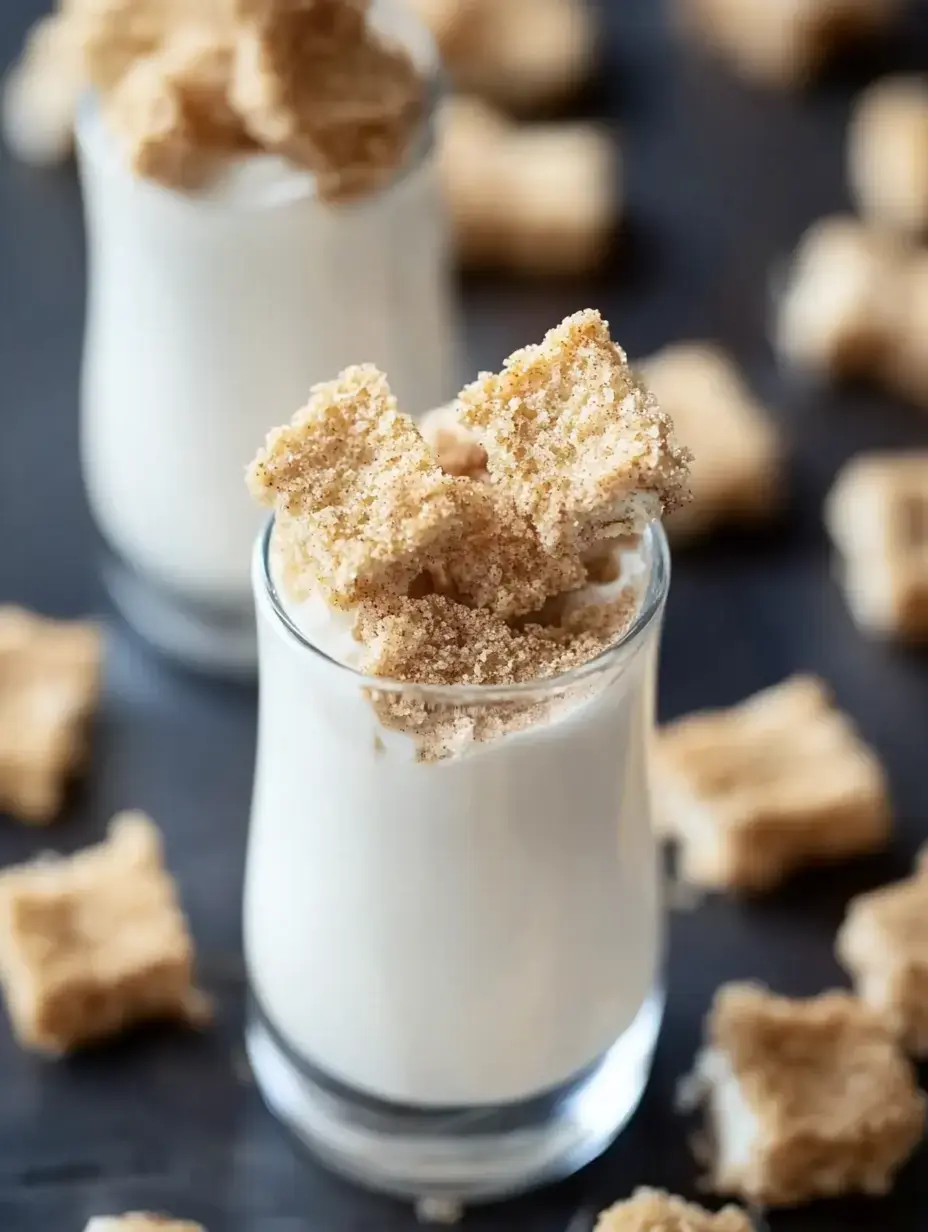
(752,793)
(362,505)
(883,943)
(649,1210)
(736,473)
(574,439)
(877,516)
(49,689)
(140,1222)
(93,943)
(804,1098)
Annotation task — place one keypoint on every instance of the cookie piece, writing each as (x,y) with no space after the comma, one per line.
(140,1222)
(575,440)
(94,943)
(755,792)
(883,943)
(49,690)
(804,1098)
(877,517)
(650,1210)
(887,153)
(737,470)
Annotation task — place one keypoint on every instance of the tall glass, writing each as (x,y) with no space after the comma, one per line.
(210,316)
(455,965)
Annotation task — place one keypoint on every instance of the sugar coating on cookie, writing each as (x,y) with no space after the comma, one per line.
(93,943)
(804,1098)
(650,1210)
(575,439)
(883,943)
(752,793)
(737,470)
(49,689)
(877,517)
(362,505)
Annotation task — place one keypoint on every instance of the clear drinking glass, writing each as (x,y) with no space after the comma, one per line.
(454,966)
(210,316)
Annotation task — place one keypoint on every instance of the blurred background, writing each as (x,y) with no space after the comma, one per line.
(716,175)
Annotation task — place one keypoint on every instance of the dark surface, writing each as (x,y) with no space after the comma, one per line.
(721,181)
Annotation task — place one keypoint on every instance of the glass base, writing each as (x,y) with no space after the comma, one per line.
(462,1155)
(218,640)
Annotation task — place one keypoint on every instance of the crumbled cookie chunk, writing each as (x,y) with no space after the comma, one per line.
(778,782)
(737,468)
(504,185)
(318,86)
(574,439)
(49,688)
(457,451)
(787,44)
(883,943)
(877,516)
(524,55)
(362,506)
(141,1222)
(649,1210)
(804,1099)
(888,153)
(93,943)
(41,92)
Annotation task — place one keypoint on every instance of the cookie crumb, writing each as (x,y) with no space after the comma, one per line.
(141,1222)
(651,1210)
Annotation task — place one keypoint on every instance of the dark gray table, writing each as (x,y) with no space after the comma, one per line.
(721,181)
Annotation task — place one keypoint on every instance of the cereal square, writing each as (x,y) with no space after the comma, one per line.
(140,1222)
(574,439)
(804,1098)
(362,506)
(782,780)
(49,689)
(883,943)
(877,516)
(737,472)
(649,1210)
(93,943)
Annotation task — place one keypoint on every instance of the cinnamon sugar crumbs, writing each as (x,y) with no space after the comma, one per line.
(573,437)
(650,1210)
(361,505)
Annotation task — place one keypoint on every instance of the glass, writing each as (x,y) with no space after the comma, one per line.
(454,966)
(210,316)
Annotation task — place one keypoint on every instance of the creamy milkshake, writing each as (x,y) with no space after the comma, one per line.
(223,282)
(453,917)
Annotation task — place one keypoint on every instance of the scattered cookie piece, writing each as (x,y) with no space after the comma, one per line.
(140,1222)
(524,55)
(93,943)
(856,305)
(737,468)
(883,943)
(362,505)
(877,516)
(888,153)
(804,1098)
(785,44)
(781,781)
(575,440)
(650,1210)
(49,689)
(537,200)
(457,451)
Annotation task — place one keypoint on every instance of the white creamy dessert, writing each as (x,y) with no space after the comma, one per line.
(213,303)
(452,901)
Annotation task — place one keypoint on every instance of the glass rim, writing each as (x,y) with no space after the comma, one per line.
(300,185)
(648,613)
